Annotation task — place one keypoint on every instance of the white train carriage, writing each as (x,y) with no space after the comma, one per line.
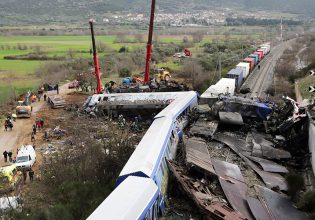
(148,160)
(135,198)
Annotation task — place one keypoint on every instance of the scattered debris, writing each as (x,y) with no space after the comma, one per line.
(233,185)
(209,203)
(233,118)
(197,154)
(276,206)
(9,202)
(268,165)
(203,128)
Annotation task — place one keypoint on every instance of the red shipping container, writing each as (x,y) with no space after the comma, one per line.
(251,61)
(259,55)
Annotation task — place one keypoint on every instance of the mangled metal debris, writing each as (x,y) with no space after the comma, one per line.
(233,118)
(233,185)
(236,144)
(268,165)
(197,154)
(272,180)
(267,148)
(209,203)
(274,206)
(203,128)
(259,211)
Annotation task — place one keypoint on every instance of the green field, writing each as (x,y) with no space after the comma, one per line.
(19,75)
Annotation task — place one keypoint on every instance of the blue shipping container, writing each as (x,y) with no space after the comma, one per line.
(236,74)
(256,57)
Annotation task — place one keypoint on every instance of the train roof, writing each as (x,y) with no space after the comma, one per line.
(243,64)
(132,97)
(144,160)
(130,200)
(221,87)
(235,72)
(179,105)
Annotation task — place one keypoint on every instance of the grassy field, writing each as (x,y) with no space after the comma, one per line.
(304,84)
(18,76)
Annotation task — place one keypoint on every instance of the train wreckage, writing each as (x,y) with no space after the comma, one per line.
(235,152)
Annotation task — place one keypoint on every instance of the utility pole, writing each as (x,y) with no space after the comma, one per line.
(281,28)
(220,66)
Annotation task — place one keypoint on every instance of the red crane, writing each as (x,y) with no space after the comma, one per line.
(95,59)
(149,45)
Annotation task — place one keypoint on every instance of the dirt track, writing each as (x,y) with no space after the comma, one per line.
(21,133)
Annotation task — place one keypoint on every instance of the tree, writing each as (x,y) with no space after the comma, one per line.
(197,37)
(124,72)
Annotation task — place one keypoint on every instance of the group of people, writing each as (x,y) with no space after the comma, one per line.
(8,123)
(30,174)
(39,124)
(6,155)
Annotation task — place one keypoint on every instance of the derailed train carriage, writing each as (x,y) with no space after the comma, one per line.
(148,165)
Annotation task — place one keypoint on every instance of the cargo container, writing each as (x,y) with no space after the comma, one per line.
(266,49)
(255,56)
(245,67)
(260,55)
(236,74)
(267,46)
(251,61)
(262,52)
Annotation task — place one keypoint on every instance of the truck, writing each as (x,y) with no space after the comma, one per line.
(24,108)
(25,158)
(56,101)
(10,178)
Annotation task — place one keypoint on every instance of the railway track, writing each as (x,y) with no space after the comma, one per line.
(260,80)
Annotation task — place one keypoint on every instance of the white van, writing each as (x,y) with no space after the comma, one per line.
(25,158)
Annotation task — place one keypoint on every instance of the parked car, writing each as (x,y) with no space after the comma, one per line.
(26,158)
(312,72)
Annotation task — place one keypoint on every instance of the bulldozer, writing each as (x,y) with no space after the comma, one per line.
(164,74)
(24,108)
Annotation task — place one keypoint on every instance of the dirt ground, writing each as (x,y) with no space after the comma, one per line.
(21,135)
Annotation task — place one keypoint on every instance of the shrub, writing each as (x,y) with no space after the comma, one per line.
(124,72)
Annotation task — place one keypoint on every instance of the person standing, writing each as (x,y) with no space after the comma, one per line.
(31,174)
(5,155)
(38,124)
(10,156)
(45,97)
(24,175)
(42,123)
(34,129)
(57,88)
(6,125)
(32,137)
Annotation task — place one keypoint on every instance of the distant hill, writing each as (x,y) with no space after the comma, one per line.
(46,11)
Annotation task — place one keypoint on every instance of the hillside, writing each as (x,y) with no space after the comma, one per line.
(46,11)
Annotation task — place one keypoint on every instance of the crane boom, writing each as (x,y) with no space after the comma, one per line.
(149,45)
(95,59)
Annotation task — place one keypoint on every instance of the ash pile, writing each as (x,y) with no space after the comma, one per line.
(246,159)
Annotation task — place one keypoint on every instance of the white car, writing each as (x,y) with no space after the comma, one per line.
(312,72)
(26,158)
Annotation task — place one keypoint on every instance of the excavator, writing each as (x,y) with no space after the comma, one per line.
(24,108)
(164,73)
